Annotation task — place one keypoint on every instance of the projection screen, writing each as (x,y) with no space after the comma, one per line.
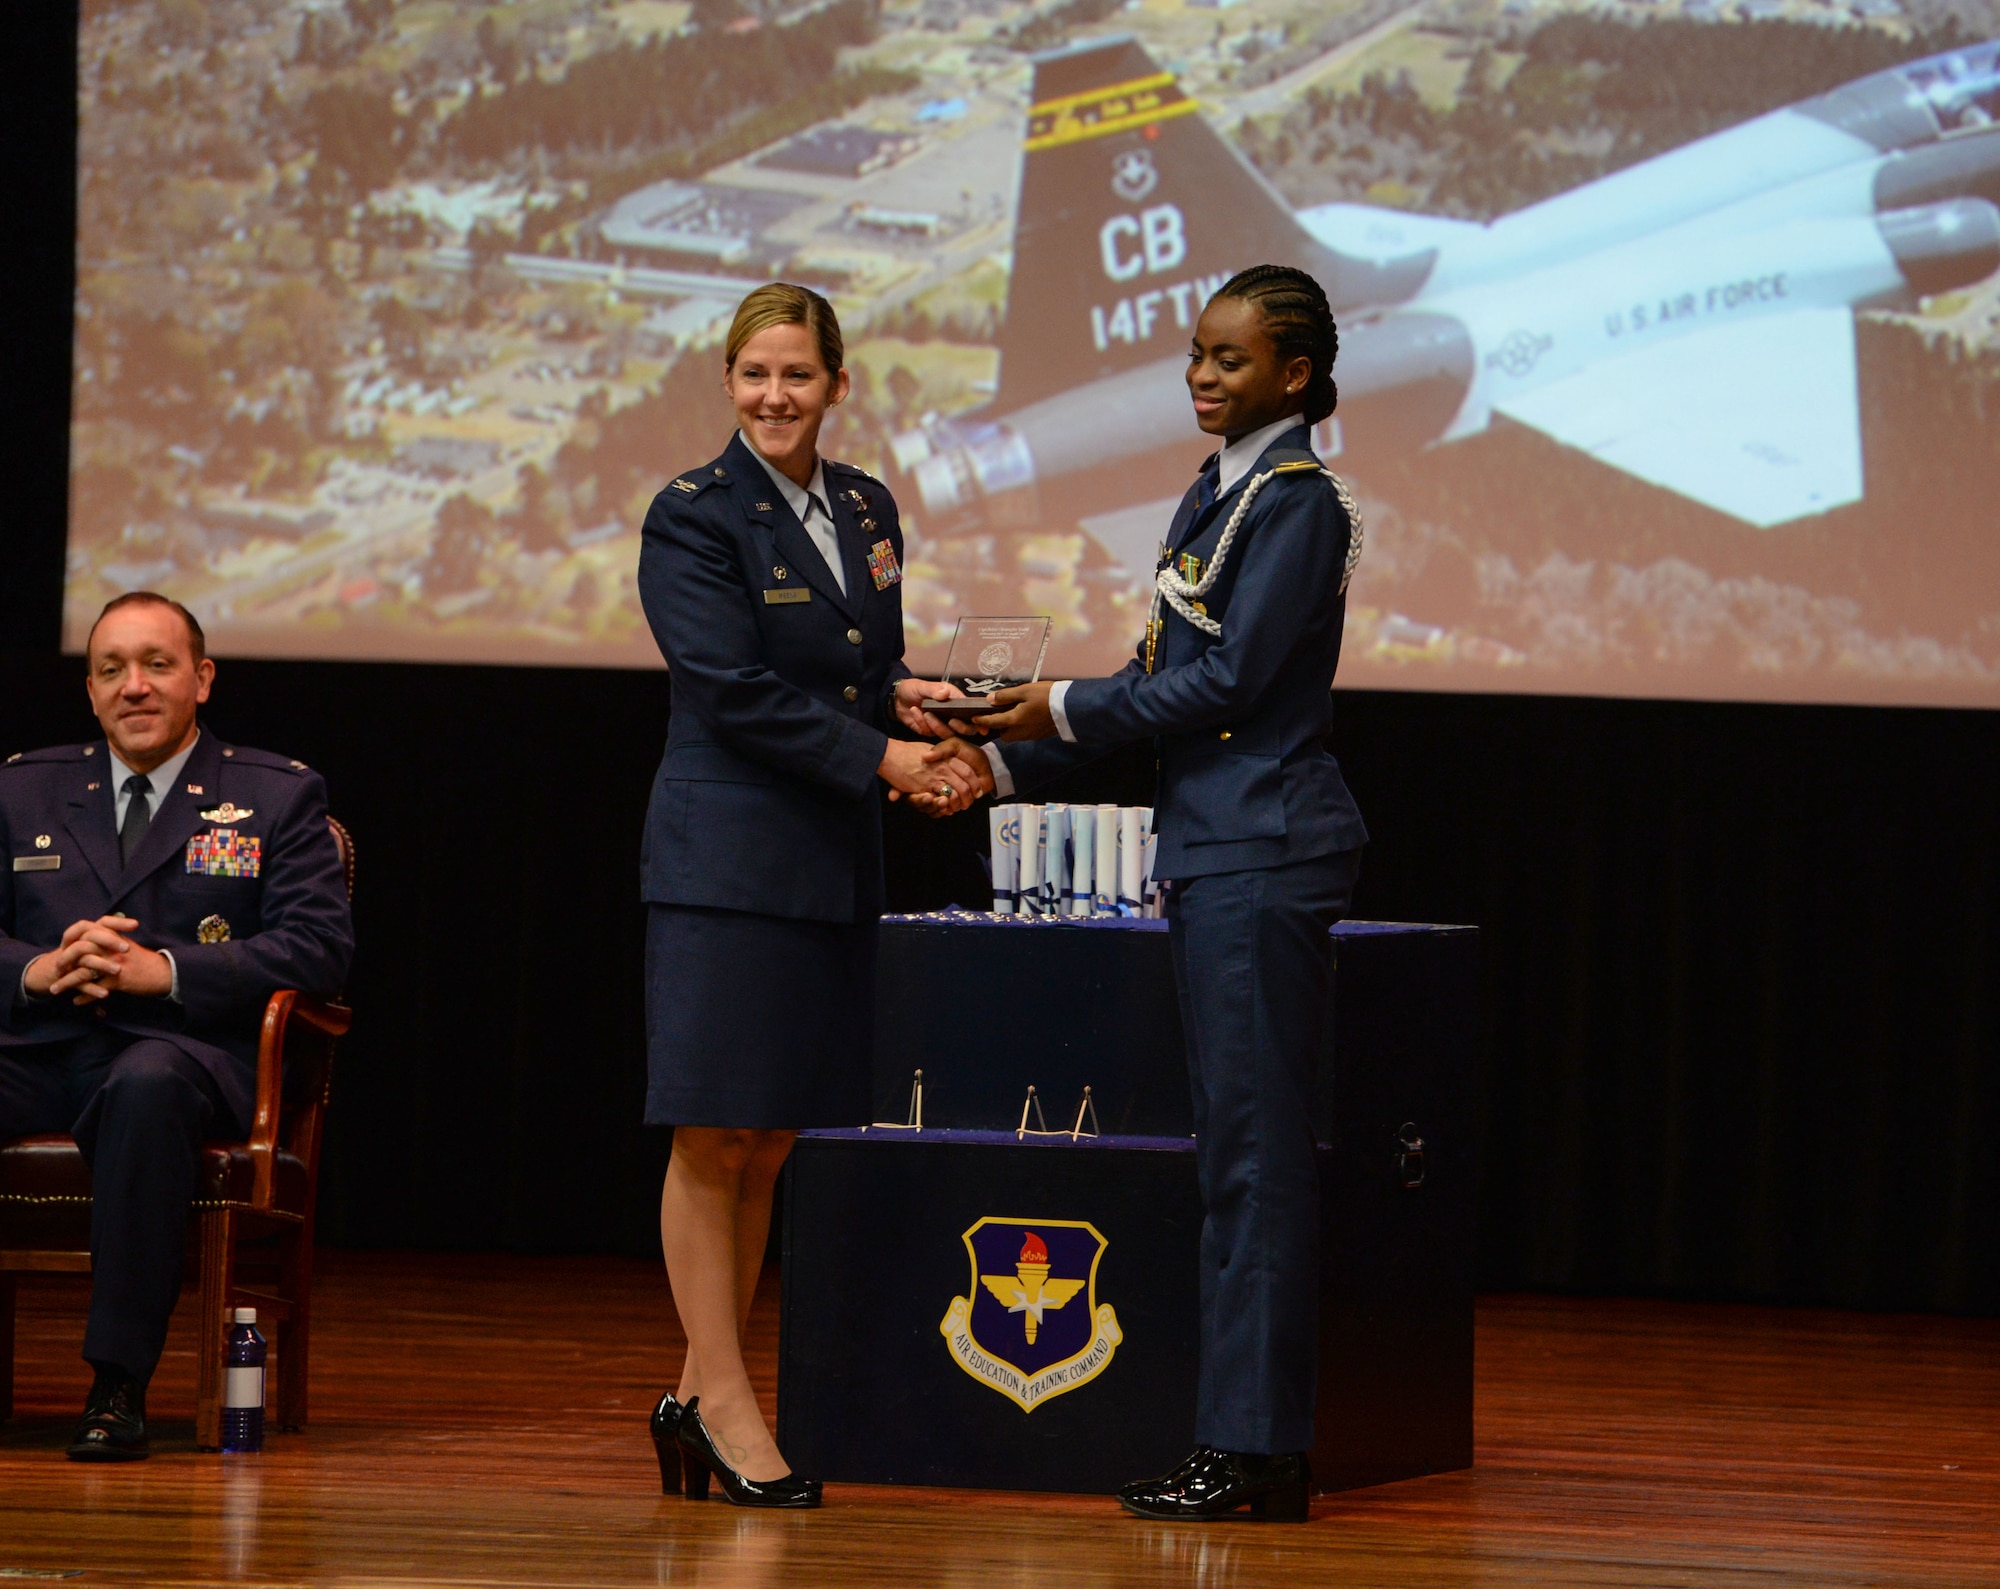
(1668,331)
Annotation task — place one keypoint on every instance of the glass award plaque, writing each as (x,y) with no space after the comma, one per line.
(989,654)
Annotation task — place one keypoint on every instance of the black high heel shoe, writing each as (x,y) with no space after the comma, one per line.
(703,1459)
(666,1443)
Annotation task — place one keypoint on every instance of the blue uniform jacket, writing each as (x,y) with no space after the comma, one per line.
(1244,777)
(765,799)
(287,914)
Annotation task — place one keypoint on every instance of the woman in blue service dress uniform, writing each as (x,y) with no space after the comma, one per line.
(1262,842)
(770,578)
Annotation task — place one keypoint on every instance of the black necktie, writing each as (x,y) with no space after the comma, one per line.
(138,815)
(1204,492)
(818,509)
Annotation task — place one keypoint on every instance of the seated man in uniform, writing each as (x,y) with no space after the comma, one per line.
(160,886)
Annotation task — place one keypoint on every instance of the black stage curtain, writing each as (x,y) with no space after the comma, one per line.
(1741,976)
(1741,1001)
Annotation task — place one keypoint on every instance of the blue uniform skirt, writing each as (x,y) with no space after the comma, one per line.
(756,1021)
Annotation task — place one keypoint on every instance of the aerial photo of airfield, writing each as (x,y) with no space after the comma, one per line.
(393,317)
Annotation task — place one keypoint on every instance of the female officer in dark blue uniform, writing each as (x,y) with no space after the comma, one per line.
(770,578)
(1263,844)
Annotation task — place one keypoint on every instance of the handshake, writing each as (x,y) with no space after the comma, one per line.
(949,776)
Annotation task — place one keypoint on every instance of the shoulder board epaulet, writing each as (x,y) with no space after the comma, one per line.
(691,485)
(1288,460)
(29,758)
(244,757)
(836,467)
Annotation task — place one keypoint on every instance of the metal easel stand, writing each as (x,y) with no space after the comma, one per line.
(915,1121)
(1041,1120)
(1085,1106)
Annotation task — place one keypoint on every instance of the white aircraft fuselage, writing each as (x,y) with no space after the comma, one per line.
(1688,319)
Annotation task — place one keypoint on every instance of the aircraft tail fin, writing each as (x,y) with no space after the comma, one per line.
(1133,210)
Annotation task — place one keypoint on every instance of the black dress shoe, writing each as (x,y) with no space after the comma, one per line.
(703,1459)
(114,1423)
(1213,1483)
(666,1443)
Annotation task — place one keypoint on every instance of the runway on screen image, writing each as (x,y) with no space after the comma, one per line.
(482,1420)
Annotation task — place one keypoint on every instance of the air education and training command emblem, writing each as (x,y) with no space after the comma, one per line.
(1032,1326)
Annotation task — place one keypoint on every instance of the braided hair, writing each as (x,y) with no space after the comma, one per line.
(1299,321)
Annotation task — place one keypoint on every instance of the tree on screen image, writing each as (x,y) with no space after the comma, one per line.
(1544,109)
(357,138)
(460,544)
(664,91)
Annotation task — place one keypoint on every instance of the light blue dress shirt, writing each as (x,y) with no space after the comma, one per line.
(809,502)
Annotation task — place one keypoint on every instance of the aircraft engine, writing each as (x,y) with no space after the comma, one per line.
(1401,378)
(953,466)
(1941,246)
(958,467)
(1967,166)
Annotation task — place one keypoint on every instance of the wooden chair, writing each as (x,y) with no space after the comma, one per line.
(251,1230)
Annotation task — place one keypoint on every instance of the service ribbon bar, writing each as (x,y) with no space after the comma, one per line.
(1055,122)
(224,852)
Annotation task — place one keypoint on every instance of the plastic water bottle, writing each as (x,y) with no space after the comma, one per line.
(243,1386)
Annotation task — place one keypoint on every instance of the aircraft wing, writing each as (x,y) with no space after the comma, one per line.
(1760,421)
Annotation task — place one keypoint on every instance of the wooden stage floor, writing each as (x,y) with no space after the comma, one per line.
(482,1421)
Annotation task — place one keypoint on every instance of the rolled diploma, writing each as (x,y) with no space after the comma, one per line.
(1004,823)
(1034,836)
(1055,861)
(1104,897)
(1131,861)
(1150,843)
(1082,849)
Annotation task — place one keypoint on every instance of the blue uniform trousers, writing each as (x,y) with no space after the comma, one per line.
(140,1109)
(1253,964)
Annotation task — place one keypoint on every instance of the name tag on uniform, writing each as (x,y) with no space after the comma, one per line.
(787,598)
(38,863)
(225,852)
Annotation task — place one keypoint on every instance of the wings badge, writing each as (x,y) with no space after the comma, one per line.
(1030,1325)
